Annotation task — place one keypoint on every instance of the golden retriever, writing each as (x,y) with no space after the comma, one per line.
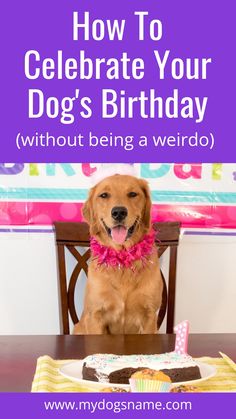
(120,300)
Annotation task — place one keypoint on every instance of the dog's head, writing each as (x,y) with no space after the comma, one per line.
(118,210)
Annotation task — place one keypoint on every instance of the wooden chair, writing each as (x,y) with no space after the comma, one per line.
(72,235)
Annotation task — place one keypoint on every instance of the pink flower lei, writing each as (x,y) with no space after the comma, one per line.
(123,258)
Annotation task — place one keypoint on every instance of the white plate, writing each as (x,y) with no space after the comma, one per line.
(73,371)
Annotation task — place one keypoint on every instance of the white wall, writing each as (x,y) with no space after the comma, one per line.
(206,283)
(28,284)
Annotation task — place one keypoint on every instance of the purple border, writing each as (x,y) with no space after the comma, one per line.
(26,230)
(186,233)
(190,29)
(31,405)
(209,233)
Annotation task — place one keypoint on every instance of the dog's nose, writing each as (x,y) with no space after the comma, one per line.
(119,213)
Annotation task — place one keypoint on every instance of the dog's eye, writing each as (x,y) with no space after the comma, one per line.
(132,194)
(104,195)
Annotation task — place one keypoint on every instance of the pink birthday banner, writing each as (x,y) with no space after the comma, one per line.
(197,195)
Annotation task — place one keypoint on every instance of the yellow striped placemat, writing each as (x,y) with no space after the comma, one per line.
(48,379)
(223,381)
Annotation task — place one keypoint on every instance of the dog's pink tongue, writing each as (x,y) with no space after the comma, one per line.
(119,234)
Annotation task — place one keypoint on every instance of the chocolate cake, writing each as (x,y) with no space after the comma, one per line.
(117,369)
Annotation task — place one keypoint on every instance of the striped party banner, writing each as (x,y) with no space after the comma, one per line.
(197,195)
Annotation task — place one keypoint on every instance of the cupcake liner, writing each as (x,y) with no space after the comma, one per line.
(150,386)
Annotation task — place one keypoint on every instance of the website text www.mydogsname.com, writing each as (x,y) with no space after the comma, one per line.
(117,406)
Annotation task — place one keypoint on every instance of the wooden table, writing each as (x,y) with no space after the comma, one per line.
(18,354)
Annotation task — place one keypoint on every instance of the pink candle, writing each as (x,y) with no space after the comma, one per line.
(181,340)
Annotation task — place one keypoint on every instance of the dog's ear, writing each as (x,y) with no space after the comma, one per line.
(87,208)
(147,209)
(89,214)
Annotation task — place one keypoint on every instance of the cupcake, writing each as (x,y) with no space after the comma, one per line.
(148,380)
(184,389)
(114,390)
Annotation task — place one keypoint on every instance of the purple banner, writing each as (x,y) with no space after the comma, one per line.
(97,405)
(117,81)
